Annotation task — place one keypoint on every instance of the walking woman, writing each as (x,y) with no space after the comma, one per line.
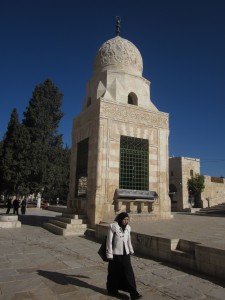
(118,250)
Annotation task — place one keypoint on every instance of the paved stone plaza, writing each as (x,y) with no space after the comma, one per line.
(36,264)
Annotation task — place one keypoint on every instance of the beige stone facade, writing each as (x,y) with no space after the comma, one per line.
(214,192)
(117,103)
(180,170)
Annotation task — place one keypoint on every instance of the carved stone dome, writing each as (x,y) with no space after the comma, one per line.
(120,55)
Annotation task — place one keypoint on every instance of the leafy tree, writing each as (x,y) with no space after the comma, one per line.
(196,186)
(41,119)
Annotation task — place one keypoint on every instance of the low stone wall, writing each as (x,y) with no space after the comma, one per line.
(192,255)
(210,260)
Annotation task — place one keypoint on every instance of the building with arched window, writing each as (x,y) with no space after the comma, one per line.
(120,140)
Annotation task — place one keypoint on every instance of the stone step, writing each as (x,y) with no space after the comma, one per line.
(71,221)
(214,207)
(64,231)
(74,216)
(90,233)
(212,211)
(54,229)
(220,208)
(66,225)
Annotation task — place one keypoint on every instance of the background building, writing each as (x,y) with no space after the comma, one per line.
(180,170)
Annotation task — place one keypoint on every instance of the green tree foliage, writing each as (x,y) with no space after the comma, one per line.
(196,185)
(42,118)
(1,168)
(14,150)
(32,156)
(57,181)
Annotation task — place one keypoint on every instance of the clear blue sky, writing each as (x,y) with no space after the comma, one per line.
(182,43)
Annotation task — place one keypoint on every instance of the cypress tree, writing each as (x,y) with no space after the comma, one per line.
(14,151)
(41,119)
(1,168)
(57,182)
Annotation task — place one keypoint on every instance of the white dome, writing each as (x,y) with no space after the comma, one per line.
(118,54)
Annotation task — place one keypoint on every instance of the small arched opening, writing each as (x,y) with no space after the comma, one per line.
(132,99)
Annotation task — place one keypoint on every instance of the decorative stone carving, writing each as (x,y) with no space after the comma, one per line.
(84,132)
(134,115)
(121,53)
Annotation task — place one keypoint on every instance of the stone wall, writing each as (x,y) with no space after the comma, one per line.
(214,192)
(192,255)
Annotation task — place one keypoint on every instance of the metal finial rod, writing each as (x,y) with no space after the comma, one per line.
(118,20)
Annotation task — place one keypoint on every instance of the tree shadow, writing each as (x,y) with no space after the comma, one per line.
(65,279)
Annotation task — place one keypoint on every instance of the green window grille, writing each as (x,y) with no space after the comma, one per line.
(134,162)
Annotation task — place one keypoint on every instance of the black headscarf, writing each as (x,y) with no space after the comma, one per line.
(120,218)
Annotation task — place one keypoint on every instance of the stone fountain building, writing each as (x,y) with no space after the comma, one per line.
(119,140)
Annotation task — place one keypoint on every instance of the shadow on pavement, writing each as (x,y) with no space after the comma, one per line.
(191,272)
(171,265)
(33,220)
(65,279)
(209,214)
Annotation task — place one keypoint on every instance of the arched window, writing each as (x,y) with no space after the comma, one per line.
(132,99)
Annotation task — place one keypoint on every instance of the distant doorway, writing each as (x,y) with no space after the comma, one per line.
(173,197)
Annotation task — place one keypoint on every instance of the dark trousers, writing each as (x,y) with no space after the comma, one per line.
(121,275)
(23,210)
(15,210)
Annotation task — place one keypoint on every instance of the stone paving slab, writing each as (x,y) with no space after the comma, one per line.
(36,264)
